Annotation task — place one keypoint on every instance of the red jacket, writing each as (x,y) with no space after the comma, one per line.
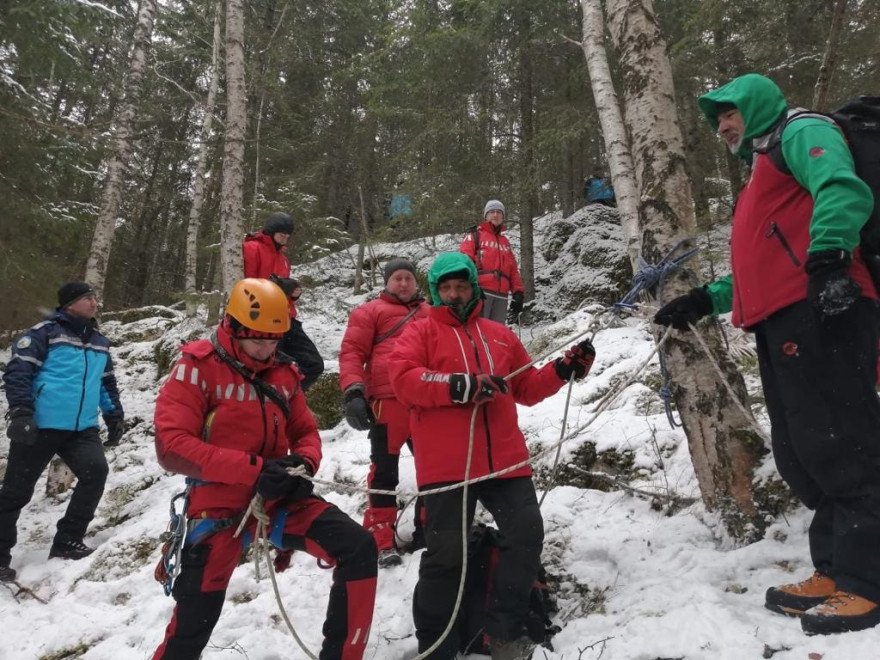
(768,245)
(424,357)
(211,425)
(361,359)
(496,264)
(262,258)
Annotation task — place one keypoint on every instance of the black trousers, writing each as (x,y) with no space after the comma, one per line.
(513,504)
(297,345)
(83,453)
(819,375)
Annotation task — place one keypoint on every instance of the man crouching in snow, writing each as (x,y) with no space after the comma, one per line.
(232,417)
(441,367)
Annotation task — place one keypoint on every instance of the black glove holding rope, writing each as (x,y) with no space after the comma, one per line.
(475,388)
(275,482)
(686,309)
(576,362)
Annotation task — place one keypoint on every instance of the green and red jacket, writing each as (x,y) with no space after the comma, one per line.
(779,218)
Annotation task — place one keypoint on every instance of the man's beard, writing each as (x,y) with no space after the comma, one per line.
(734,148)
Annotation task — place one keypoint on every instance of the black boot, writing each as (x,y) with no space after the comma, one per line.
(7,574)
(70,550)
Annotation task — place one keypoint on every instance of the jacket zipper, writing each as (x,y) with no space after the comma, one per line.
(774,231)
(275,426)
(485,412)
(82,394)
(263,417)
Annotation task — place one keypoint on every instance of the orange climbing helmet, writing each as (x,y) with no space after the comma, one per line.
(260,309)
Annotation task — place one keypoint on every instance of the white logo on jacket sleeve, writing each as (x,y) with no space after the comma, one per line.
(429,377)
(23,343)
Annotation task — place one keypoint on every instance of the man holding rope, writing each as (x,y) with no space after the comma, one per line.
(442,367)
(800,283)
(232,417)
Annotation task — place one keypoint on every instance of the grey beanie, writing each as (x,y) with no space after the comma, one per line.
(278,223)
(396,264)
(494,205)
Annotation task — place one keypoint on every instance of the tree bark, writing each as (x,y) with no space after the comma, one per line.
(829,61)
(527,144)
(723,446)
(620,160)
(102,240)
(232,194)
(198,196)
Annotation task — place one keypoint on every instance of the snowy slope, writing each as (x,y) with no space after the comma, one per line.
(633,582)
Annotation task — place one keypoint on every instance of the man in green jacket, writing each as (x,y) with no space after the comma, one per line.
(799,282)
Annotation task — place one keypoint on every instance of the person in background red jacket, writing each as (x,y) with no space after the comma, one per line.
(442,367)
(264,257)
(496,265)
(232,418)
(373,330)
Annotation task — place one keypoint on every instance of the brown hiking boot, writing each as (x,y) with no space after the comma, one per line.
(842,612)
(795,599)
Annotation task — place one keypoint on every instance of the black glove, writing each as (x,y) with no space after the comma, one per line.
(276,482)
(830,289)
(358,413)
(22,427)
(686,309)
(577,360)
(516,307)
(475,388)
(115,429)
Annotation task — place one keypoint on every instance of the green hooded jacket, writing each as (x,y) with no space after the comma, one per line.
(842,202)
(453,262)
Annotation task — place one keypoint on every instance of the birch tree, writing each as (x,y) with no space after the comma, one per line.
(722,444)
(102,240)
(198,195)
(829,60)
(232,192)
(620,160)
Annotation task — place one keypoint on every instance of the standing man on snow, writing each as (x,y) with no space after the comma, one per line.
(800,284)
(443,366)
(372,332)
(59,376)
(496,265)
(233,419)
(265,258)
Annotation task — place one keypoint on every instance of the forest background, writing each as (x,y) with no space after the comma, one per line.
(354,109)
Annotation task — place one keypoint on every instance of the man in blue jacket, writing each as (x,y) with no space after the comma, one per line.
(59,375)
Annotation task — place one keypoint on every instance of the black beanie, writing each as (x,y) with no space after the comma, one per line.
(396,264)
(455,275)
(721,108)
(278,222)
(73,291)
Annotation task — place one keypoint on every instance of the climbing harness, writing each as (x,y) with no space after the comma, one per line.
(172,541)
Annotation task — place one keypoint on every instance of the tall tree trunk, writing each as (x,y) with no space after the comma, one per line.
(198,196)
(829,61)
(232,195)
(620,160)
(102,240)
(722,444)
(527,144)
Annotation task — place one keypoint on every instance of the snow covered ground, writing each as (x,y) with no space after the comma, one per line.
(634,583)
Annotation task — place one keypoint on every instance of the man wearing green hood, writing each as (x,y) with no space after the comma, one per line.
(799,282)
(441,367)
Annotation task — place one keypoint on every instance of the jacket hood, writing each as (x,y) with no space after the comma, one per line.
(758,99)
(452,262)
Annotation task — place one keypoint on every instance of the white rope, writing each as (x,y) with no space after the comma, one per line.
(739,404)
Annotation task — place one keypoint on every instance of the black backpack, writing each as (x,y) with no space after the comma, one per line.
(859,119)
(483,553)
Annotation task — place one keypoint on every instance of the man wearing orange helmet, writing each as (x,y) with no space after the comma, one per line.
(232,417)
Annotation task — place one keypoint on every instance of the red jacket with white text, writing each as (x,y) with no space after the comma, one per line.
(495,261)
(213,426)
(424,357)
(361,360)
